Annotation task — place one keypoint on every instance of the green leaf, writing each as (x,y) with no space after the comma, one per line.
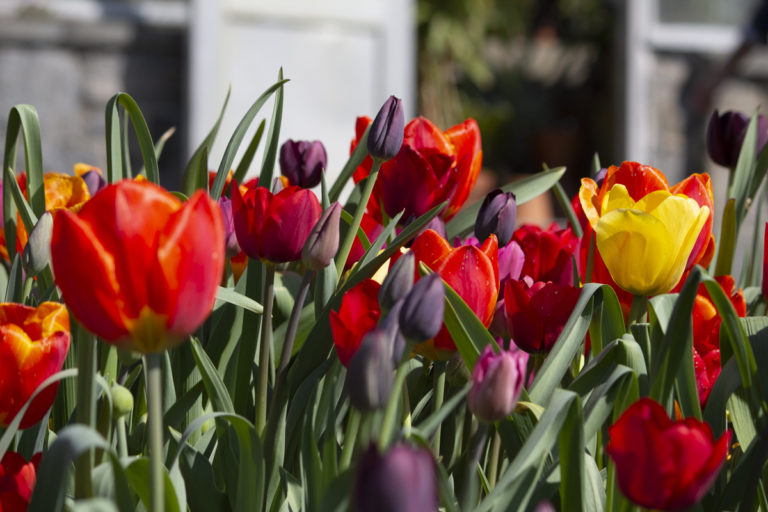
(237,138)
(361,235)
(238,299)
(372,251)
(14,292)
(114,153)
(196,172)
(23,118)
(71,442)
(355,159)
(214,386)
(727,242)
(743,171)
(273,135)
(137,473)
(524,190)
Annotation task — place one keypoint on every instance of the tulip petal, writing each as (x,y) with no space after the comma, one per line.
(430,248)
(190,263)
(639,180)
(88,282)
(465,138)
(289,219)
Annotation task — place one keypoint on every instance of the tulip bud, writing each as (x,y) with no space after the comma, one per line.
(303,162)
(438,226)
(122,400)
(422,315)
(497,215)
(496,384)
(370,373)
(402,480)
(391,324)
(398,282)
(323,241)
(37,252)
(725,136)
(386,134)
(94,181)
(233,247)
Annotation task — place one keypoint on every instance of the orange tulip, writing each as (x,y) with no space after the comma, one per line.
(138,267)
(471,271)
(33,345)
(62,191)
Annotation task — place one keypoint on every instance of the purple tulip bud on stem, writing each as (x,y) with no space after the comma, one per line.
(497,380)
(303,162)
(403,480)
(422,315)
(497,216)
(323,241)
(386,133)
(233,247)
(398,282)
(370,374)
(725,136)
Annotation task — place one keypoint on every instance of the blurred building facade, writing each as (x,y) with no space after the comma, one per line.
(178,58)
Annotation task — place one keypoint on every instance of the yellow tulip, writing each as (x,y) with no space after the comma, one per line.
(645,244)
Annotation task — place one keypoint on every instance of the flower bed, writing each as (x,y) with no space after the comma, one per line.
(251,344)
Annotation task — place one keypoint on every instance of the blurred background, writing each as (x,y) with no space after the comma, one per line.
(549,81)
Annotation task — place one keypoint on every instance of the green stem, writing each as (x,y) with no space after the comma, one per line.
(154,367)
(122,438)
(349,238)
(86,406)
(470,490)
(438,383)
(293,322)
(493,461)
(391,410)
(266,343)
(565,204)
(350,438)
(638,310)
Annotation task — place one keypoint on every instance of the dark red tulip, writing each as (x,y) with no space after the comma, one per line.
(548,253)
(536,313)
(661,464)
(274,227)
(725,136)
(17,481)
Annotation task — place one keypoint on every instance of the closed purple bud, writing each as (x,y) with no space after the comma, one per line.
(438,226)
(600,176)
(402,480)
(233,247)
(497,216)
(422,315)
(94,181)
(323,241)
(386,134)
(398,282)
(391,324)
(725,136)
(370,374)
(303,162)
(497,380)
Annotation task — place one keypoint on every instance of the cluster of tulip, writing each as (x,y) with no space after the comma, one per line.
(465,344)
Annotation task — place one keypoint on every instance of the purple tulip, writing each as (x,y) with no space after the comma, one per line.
(387,131)
(323,241)
(303,162)
(497,216)
(233,247)
(725,136)
(422,315)
(402,480)
(497,380)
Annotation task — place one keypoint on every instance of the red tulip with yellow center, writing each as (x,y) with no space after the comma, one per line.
(33,345)
(138,267)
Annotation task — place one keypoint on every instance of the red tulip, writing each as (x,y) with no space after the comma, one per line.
(706,333)
(537,313)
(17,480)
(548,254)
(472,272)
(431,167)
(274,227)
(33,345)
(137,267)
(358,314)
(661,464)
